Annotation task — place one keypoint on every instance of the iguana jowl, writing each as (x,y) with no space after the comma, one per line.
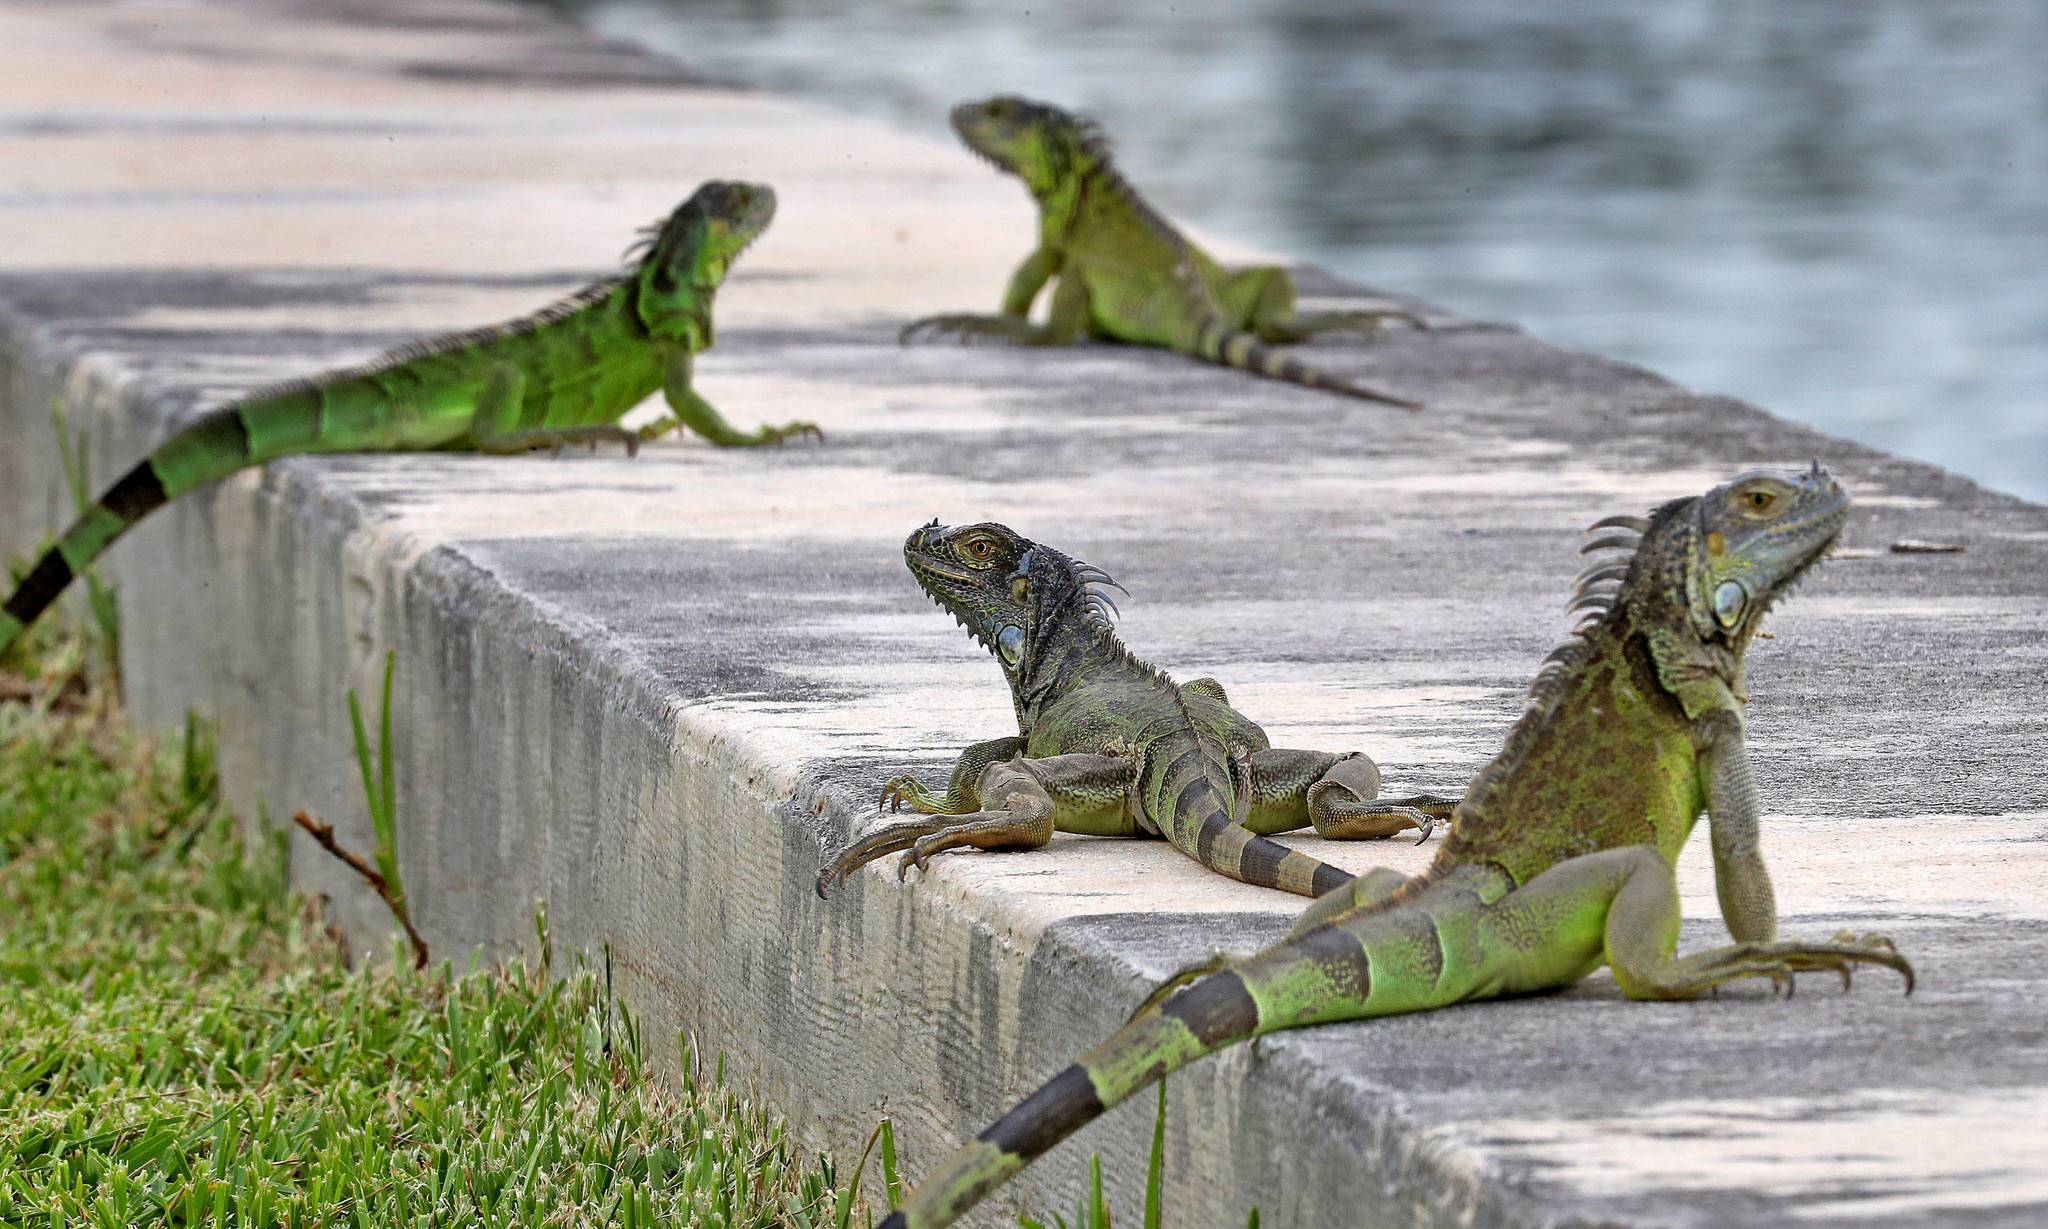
(563,375)
(1111,746)
(1124,273)
(1560,857)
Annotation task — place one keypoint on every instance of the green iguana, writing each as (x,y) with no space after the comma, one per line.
(1560,858)
(563,375)
(1125,274)
(1109,745)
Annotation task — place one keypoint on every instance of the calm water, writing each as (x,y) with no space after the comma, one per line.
(1836,210)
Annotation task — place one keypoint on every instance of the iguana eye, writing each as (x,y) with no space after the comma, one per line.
(980,548)
(1761,499)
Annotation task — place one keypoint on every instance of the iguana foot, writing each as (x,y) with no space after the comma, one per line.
(1693,975)
(982,830)
(1304,325)
(718,432)
(968,329)
(555,439)
(1343,805)
(903,792)
(1374,820)
(875,845)
(1023,822)
(775,435)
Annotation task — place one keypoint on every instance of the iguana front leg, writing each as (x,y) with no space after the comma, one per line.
(1262,297)
(1021,802)
(961,796)
(1749,905)
(1628,898)
(495,425)
(692,411)
(1338,794)
(1064,326)
(1029,279)
(1621,906)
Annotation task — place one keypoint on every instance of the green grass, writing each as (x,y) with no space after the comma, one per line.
(181,1041)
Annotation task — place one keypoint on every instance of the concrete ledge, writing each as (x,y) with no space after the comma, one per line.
(652,692)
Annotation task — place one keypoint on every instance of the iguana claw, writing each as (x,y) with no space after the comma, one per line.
(775,435)
(907,791)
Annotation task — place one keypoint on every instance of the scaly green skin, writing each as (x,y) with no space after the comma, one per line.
(1125,274)
(1559,859)
(563,375)
(1110,746)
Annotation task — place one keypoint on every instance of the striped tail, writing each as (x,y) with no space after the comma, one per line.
(1195,811)
(1218,343)
(1213,1013)
(1321,976)
(210,449)
(1253,859)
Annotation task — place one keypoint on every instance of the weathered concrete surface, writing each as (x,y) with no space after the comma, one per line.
(651,692)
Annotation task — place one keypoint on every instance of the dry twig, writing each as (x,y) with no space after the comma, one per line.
(324,834)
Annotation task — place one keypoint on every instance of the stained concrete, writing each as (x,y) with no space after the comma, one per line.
(655,692)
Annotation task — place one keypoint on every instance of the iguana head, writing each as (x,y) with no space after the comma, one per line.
(1011,594)
(1704,569)
(1035,141)
(1698,575)
(1747,543)
(687,255)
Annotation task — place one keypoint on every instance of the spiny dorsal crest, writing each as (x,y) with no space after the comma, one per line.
(447,343)
(1595,594)
(1063,582)
(1061,579)
(1091,141)
(1598,590)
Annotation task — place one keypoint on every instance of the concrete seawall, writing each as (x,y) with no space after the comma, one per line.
(652,692)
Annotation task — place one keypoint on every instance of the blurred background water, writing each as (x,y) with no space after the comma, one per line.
(1836,210)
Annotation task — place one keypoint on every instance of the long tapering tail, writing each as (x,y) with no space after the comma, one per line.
(210,449)
(1186,784)
(1218,343)
(1253,859)
(1209,1015)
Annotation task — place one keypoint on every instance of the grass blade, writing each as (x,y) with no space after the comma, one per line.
(1154,1170)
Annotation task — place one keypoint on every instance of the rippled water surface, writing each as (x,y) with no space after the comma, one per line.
(1836,210)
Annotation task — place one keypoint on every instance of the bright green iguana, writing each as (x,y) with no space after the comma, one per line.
(1125,274)
(563,375)
(1110,746)
(1559,859)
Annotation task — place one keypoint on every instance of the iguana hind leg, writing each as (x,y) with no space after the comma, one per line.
(1018,804)
(1375,884)
(1261,300)
(1344,805)
(1623,904)
(1339,795)
(1016,813)
(496,427)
